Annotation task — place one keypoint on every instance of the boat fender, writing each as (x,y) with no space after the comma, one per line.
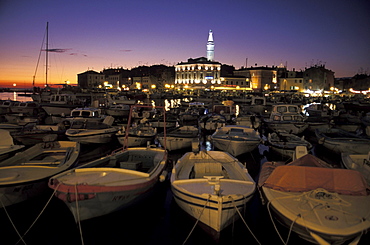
(321,140)
(163,176)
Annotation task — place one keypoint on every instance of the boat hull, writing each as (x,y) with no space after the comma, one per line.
(315,222)
(216,212)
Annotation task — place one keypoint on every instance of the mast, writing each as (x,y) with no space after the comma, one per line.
(47,53)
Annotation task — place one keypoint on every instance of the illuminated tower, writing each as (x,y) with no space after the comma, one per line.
(210,47)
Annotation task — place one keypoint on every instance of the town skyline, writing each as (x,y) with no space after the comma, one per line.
(97,36)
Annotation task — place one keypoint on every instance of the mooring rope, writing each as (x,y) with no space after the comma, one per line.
(291,226)
(42,211)
(11,221)
(78,216)
(245,223)
(200,215)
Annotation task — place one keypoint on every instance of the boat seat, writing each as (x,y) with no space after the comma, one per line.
(207,169)
(134,165)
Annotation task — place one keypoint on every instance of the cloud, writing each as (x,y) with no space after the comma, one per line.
(57,50)
(125,50)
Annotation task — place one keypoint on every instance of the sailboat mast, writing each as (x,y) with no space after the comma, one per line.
(47,52)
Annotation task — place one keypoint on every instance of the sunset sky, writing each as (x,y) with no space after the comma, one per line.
(89,34)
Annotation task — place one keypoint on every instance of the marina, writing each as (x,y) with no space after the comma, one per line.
(160,220)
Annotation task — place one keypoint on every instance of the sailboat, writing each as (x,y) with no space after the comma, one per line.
(51,100)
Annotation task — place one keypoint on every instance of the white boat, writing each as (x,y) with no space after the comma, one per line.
(318,110)
(25,175)
(236,139)
(28,108)
(7,146)
(92,132)
(341,141)
(212,187)
(110,183)
(286,117)
(61,104)
(138,135)
(359,162)
(84,114)
(179,137)
(119,99)
(322,205)
(285,144)
(118,110)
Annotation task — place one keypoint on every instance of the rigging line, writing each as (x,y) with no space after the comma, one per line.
(38,61)
(11,221)
(200,215)
(42,211)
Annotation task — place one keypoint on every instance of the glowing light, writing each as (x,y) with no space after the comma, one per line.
(14,85)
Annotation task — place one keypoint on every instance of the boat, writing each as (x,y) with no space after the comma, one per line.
(248,119)
(210,122)
(341,141)
(319,110)
(322,205)
(236,139)
(366,123)
(178,138)
(7,146)
(359,162)
(286,117)
(138,135)
(111,183)
(26,174)
(5,106)
(61,104)
(33,133)
(118,110)
(21,119)
(347,122)
(227,109)
(81,113)
(192,113)
(119,100)
(92,132)
(27,108)
(159,121)
(285,144)
(213,187)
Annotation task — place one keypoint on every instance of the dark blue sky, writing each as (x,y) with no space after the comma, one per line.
(100,34)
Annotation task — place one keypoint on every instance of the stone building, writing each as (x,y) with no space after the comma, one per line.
(318,78)
(90,79)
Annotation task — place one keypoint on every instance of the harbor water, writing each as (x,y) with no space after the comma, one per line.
(158,220)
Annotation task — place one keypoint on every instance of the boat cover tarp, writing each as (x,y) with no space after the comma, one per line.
(306,160)
(302,179)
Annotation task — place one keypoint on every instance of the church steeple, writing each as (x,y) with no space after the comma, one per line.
(210,47)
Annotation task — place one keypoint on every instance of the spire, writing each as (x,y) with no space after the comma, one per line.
(210,36)
(210,47)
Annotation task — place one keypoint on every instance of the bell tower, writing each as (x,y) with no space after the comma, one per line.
(210,47)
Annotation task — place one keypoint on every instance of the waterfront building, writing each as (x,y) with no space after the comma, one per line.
(261,78)
(197,73)
(90,79)
(318,78)
(291,80)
